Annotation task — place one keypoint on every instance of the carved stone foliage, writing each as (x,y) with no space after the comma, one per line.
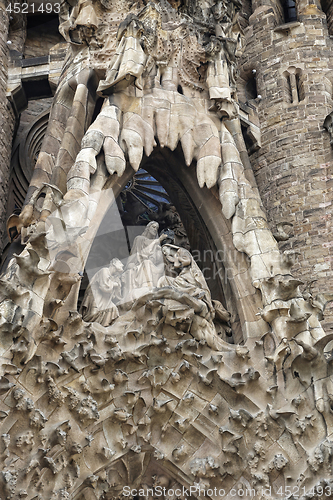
(140,390)
(157,398)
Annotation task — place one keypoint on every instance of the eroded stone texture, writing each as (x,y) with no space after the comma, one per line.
(149,394)
(88,409)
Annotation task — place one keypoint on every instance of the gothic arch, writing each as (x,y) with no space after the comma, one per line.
(203,205)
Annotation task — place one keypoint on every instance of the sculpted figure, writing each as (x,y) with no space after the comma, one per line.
(187,303)
(145,263)
(223,50)
(103,291)
(128,63)
(169,219)
(190,279)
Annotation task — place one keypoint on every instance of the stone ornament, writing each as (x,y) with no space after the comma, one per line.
(104,288)
(158,384)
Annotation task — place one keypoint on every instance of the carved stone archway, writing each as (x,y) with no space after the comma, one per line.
(227,270)
(209,233)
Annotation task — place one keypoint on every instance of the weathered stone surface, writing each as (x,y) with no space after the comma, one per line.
(136,385)
(293,67)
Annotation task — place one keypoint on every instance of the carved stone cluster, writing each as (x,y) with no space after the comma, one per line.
(100,408)
(156,397)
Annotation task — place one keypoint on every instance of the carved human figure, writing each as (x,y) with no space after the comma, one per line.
(128,63)
(103,291)
(145,264)
(223,50)
(169,219)
(190,278)
(187,303)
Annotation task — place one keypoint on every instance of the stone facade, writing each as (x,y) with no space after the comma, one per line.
(12,40)
(189,143)
(293,168)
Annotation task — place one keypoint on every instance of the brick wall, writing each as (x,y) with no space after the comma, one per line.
(294,169)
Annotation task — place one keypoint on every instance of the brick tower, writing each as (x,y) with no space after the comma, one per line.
(289,50)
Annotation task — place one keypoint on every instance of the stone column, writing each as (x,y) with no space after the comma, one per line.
(12,38)
(7,119)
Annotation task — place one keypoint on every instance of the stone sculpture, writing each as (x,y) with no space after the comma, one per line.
(224,51)
(150,394)
(145,264)
(103,291)
(189,284)
(128,63)
(190,279)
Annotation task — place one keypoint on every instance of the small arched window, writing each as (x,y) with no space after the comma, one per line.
(251,88)
(293,85)
(327,7)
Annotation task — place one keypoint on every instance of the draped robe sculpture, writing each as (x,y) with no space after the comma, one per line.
(103,291)
(145,265)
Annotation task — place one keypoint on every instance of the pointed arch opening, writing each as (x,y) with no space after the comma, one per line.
(207,234)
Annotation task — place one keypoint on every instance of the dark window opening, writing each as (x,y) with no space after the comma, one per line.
(300,86)
(98,107)
(36,20)
(289,8)
(249,139)
(37,89)
(326,5)
(251,88)
(42,34)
